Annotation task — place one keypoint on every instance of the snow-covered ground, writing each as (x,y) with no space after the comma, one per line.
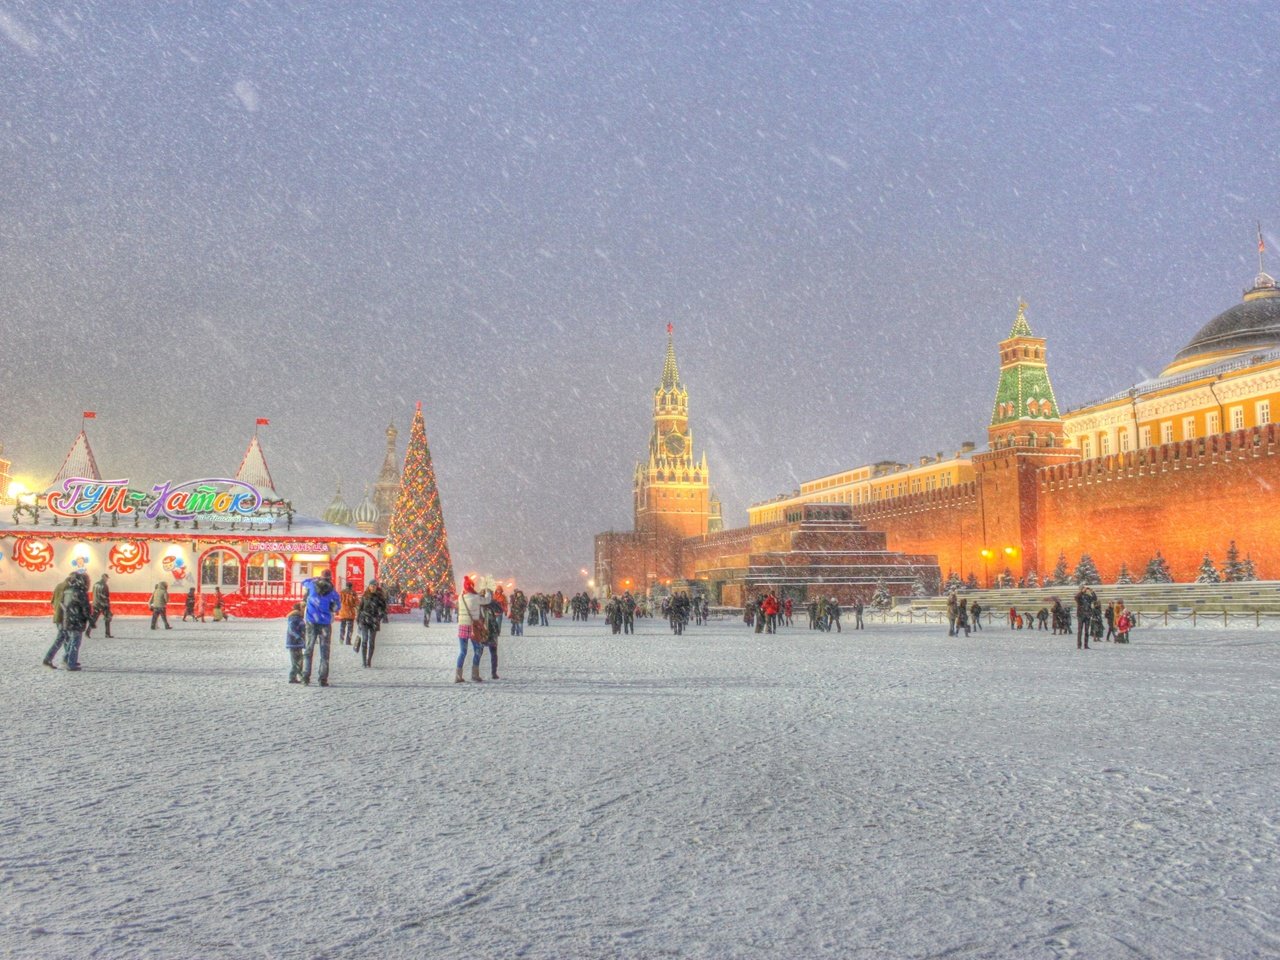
(886,794)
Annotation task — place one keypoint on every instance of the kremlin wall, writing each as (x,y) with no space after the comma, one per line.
(1182,463)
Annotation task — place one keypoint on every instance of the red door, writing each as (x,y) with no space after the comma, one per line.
(355,573)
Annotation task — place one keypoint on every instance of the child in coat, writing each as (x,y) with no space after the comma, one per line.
(294,641)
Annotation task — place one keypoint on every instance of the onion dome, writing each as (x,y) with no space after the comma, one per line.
(338,512)
(1251,325)
(366,514)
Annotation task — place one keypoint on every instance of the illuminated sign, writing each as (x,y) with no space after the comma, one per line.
(195,499)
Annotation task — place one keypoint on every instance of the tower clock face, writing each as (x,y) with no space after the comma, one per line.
(674,444)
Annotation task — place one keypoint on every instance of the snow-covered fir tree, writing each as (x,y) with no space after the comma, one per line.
(1208,573)
(1247,573)
(881,599)
(1124,576)
(1232,568)
(1004,580)
(1086,572)
(1031,580)
(971,582)
(1157,570)
(1061,576)
(919,589)
(953,583)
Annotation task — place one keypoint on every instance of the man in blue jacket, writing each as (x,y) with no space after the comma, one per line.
(323,601)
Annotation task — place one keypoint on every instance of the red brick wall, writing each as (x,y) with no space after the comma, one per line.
(1182,499)
(944,523)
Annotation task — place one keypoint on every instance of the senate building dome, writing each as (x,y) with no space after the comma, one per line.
(1251,325)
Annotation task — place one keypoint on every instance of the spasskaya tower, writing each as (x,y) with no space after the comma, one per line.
(672,489)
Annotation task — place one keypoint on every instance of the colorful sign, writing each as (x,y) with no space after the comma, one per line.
(193,500)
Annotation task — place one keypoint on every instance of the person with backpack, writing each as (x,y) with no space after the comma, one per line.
(322,602)
(369,615)
(101,607)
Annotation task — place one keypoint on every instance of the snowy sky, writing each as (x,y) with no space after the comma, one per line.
(320,213)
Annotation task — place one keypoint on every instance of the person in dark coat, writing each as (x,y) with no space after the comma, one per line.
(295,639)
(1085,601)
(75,617)
(101,607)
(189,605)
(61,638)
(369,618)
(975,615)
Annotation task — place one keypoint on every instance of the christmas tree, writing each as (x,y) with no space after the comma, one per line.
(1157,570)
(881,599)
(417,545)
(1233,569)
(1124,576)
(1060,577)
(1086,571)
(1208,573)
(1247,573)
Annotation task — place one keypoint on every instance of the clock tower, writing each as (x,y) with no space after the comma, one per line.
(672,489)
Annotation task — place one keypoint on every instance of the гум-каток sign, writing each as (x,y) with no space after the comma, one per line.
(192,500)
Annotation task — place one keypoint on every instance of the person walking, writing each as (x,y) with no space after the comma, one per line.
(349,602)
(61,639)
(159,605)
(295,638)
(975,614)
(428,602)
(962,618)
(470,630)
(370,611)
(953,612)
(189,605)
(833,613)
(857,614)
(322,602)
(73,602)
(101,607)
(1110,614)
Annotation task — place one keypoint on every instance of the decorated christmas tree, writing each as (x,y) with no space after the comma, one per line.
(1207,573)
(1086,571)
(1124,576)
(881,599)
(1157,570)
(417,545)
(1061,576)
(1233,569)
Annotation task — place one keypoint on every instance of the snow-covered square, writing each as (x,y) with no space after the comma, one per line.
(884,793)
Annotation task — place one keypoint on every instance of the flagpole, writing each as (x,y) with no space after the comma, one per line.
(1261,247)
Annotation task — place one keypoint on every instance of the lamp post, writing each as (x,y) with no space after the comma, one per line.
(987,554)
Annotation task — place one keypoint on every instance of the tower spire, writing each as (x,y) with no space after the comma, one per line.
(670,373)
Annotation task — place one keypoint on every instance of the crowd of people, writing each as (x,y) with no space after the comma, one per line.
(1090,616)
(79,608)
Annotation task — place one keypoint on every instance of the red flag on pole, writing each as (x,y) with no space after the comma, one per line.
(1262,247)
(89,415)
(263,422)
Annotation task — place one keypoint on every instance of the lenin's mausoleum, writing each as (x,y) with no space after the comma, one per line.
(1182,464)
